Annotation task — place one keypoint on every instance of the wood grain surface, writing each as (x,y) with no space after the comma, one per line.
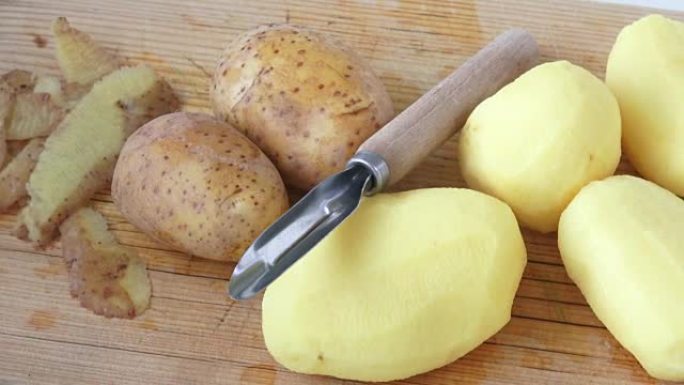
(193,334)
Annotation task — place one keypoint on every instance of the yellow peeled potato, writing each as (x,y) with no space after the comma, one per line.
(198,185)
(622,242)
(305,99)
(645,71)
(539,140)
(409,283)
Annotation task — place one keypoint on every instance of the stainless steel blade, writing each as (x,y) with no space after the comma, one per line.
(299,230)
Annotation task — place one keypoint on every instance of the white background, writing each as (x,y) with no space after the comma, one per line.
(676,5)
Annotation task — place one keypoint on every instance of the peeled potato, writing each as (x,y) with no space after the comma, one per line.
(410,282)
(198,185)
(645,71)
(539,140)
(622,242)
(306,100)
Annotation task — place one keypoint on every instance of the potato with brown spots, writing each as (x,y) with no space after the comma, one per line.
(198,185)
(306,100)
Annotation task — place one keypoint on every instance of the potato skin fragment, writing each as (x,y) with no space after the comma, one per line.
(62,94)
(107,278)
(15,175)
(14,147)
(81,59)
(34,115)
(19,81)
(6,106)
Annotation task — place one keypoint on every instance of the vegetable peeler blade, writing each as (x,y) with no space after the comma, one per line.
(299,230)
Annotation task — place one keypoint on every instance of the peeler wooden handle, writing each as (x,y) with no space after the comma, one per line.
(441,112)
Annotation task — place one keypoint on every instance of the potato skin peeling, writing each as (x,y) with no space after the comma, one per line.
(306,100)
(6,103)
(86,117)
(107,278)
(16,173)
(34,115)
(408,283)
(18,81)
(82,60)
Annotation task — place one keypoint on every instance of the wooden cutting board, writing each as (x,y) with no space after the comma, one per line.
(194,334)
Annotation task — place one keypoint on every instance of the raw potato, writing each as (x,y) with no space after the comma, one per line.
(80,155)
(80,58)
(198,185)
(15,175)
(107,278)
(622,243)
(539,140)
(34,115)
(306,100)
(410,282)
(645,71)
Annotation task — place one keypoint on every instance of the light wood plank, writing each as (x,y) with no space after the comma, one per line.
(192,320)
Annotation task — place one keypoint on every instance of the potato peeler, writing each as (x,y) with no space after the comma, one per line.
(382,160)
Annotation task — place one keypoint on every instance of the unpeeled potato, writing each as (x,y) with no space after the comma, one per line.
(198,185)
(645,71)
(622,243)
(539,140)
(408,283)
(305,99)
